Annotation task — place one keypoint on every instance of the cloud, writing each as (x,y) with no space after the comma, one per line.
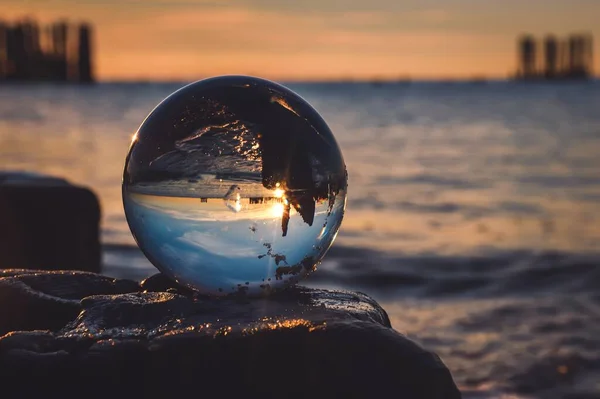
(277,44)
(225,246)
(432,15)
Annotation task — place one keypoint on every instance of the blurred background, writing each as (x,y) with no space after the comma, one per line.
(471,132)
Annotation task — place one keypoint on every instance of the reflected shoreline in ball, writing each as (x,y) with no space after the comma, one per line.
(234,184)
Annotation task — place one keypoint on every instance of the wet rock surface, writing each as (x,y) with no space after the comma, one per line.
(81,333)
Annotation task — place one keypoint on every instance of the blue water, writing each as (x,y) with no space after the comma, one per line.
(473,211)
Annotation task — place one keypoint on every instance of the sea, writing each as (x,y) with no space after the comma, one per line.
(473,213)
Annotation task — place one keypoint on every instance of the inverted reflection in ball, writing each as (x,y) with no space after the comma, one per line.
(234,184)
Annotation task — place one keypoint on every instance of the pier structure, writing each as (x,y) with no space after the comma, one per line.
(553,58)
(57,52)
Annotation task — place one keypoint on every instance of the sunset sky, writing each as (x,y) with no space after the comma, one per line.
(312,39)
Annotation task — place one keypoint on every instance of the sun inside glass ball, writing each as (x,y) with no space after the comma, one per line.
(234,184)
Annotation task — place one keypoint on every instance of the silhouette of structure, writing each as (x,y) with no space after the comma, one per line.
(528,56)
(569,58)
(84,65)
(59,52)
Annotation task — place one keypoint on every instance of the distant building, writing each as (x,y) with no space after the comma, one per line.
(3,50)
(570,58)
(60,52)
(551,51)
(84,66)
(528,56)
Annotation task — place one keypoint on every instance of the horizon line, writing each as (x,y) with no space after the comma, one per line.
(340,80)
(374,80)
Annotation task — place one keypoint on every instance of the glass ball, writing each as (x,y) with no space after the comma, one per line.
(234,184)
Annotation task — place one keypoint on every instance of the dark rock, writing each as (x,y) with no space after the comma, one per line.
(46,222)
(161,283)
(298,343)
(36,299)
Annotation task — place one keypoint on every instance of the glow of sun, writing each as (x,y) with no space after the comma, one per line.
(277,210)
(278,193)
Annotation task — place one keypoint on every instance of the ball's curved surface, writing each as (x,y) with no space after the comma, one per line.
(234,184)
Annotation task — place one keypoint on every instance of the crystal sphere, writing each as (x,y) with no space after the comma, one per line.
(234,184)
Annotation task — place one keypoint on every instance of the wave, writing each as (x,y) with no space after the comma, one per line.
(498,273)
(494,274)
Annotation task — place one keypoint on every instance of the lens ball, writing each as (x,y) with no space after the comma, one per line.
(234,184)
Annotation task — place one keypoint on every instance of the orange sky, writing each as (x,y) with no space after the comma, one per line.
(312,39)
